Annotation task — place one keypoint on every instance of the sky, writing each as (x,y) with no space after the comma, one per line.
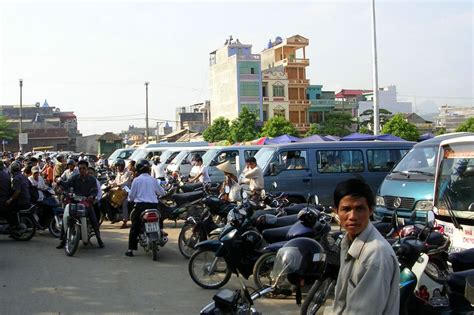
(93,57)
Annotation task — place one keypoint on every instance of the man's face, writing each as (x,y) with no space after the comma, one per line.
(83,170)
(71,166)
(36,175)
(354,214)
(251,165)
(121,168)
(91,173)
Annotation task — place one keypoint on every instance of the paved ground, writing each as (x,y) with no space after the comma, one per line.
(37,278)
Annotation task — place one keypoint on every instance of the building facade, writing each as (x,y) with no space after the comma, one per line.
(387,99)
(235,80)
(195,117)
(324,102)
(290,54)
(275,93)
(450,117)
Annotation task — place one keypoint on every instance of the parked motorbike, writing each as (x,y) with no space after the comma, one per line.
(151,236)
(27,228)
(111,202)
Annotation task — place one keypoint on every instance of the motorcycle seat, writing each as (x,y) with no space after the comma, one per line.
(214,203)
(286,220)
(295,208)
(187,197)
(457,280)
(276,234)
(435,238)
(463,260)
(191,187)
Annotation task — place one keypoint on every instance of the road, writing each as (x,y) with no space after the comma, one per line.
(37,278)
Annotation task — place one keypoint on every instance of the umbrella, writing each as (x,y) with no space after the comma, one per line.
(426,136)
(389,137)
(282,139)
(315,138)
(358,137)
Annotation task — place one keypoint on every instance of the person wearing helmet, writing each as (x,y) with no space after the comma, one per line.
(144,194)
(20,199)
(59,167)
(369,269)
(123,179)
(70,170)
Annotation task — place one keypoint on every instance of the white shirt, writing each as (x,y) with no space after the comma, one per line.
(40,185)
(145,189)
(158,171)
(99,191)
(204,172)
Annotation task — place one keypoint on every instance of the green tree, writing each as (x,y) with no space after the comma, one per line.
(335,123)
(399,127)
(6,133)
(219,130)
(277,126)
(440,131)
(244,128)
(467,126)
(367,118)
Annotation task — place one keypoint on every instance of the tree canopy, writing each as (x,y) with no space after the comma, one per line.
(219,130)
(244,128)
(277,126)
(335,124)
(467,126)
(366,119)
(399,127)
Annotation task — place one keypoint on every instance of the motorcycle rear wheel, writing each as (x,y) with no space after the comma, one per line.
(198,268)
(73,236)
(262,270)
(187,239)
(316,297)
(30,230)
(154,251)
(54,229)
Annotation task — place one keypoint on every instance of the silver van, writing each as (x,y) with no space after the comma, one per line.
(182,162)
(300,169)
(235,154)
(147,151)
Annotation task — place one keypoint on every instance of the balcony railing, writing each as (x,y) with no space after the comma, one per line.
(298,81)
(300,102)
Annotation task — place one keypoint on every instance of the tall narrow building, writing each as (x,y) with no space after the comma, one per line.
(235,80)
(291,54)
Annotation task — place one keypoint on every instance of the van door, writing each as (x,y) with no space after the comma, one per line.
(290,170)
(223,156)
(333,167)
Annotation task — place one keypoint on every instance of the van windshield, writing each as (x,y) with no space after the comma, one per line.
(263,156)
(177,159)
(208,156)
(138,154)
(420,160)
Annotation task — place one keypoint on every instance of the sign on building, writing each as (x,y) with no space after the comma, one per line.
(23,138)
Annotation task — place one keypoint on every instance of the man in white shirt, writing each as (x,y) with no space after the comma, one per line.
(70,170)
(158,169)
(144,194)
(38,181)
(253,176)
(202,173)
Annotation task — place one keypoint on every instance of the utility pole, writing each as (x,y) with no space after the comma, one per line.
(146,114)
(21,116)
(376,79)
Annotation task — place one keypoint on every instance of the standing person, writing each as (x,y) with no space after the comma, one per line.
(158,169)
(48,172)
(81,156)
(202,173)
(84,185)
(368,279)
(253,176)
(144,194)
(123,179)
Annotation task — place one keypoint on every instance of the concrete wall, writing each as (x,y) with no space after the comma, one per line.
(387,98)
(88,144)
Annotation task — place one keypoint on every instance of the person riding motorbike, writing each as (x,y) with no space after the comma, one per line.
(144,194)
(21,194)
(123,179)
(83,184)
(5,191)
(70,170)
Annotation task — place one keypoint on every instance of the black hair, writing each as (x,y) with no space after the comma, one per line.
(33,159)
(195,157)
(250,160)
(198,159)
(83,162)
(354,187)
(90,168)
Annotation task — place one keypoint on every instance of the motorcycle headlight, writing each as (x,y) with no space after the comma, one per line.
(380,201)
(424,205)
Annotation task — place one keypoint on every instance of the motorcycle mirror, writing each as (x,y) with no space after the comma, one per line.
(316,199)
(227,189)
(245,195)
(430,218)
(274,185)
(262,194)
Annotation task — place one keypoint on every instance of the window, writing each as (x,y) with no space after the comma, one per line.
(249,89)
(248,67)
(278,90)
(279,111)
(340,161)
(226,156)
(383,160)
(249,153)
(290,160)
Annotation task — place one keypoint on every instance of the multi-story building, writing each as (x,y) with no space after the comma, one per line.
(290,53)
(387,99)
(275,93)
(235,80)
(323,102)
(195,117)
(45,125)
(450,117)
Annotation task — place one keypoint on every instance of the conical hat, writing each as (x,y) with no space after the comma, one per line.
(227,167)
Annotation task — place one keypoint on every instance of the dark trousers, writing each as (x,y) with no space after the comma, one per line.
(10,213)
(135,216)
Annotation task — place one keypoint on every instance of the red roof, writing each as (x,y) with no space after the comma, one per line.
(345,93)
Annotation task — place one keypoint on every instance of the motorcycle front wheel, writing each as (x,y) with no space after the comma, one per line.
(262,270)
(28,233)
(316,297)
(73,236)
(54,228)
(207,270)
(187,239)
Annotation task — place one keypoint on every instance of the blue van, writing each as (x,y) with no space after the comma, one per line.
(316,168)
(409,186)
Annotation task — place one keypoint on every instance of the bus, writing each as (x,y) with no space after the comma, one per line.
(454,191)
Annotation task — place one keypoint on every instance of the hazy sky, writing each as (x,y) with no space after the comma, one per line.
(93,57)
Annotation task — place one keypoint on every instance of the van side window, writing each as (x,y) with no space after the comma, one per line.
(340,161)
(227,156)
(172,156)
(190,156)
(249,153)
(291,160)
(383,160)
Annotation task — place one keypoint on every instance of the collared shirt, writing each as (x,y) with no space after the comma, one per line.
(124,178)
(40,185)
(158,170)
(85,187)
(145,189)
(254,178)
(369,276)
(68,174)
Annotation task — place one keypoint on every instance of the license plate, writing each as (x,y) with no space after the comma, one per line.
(152,227)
